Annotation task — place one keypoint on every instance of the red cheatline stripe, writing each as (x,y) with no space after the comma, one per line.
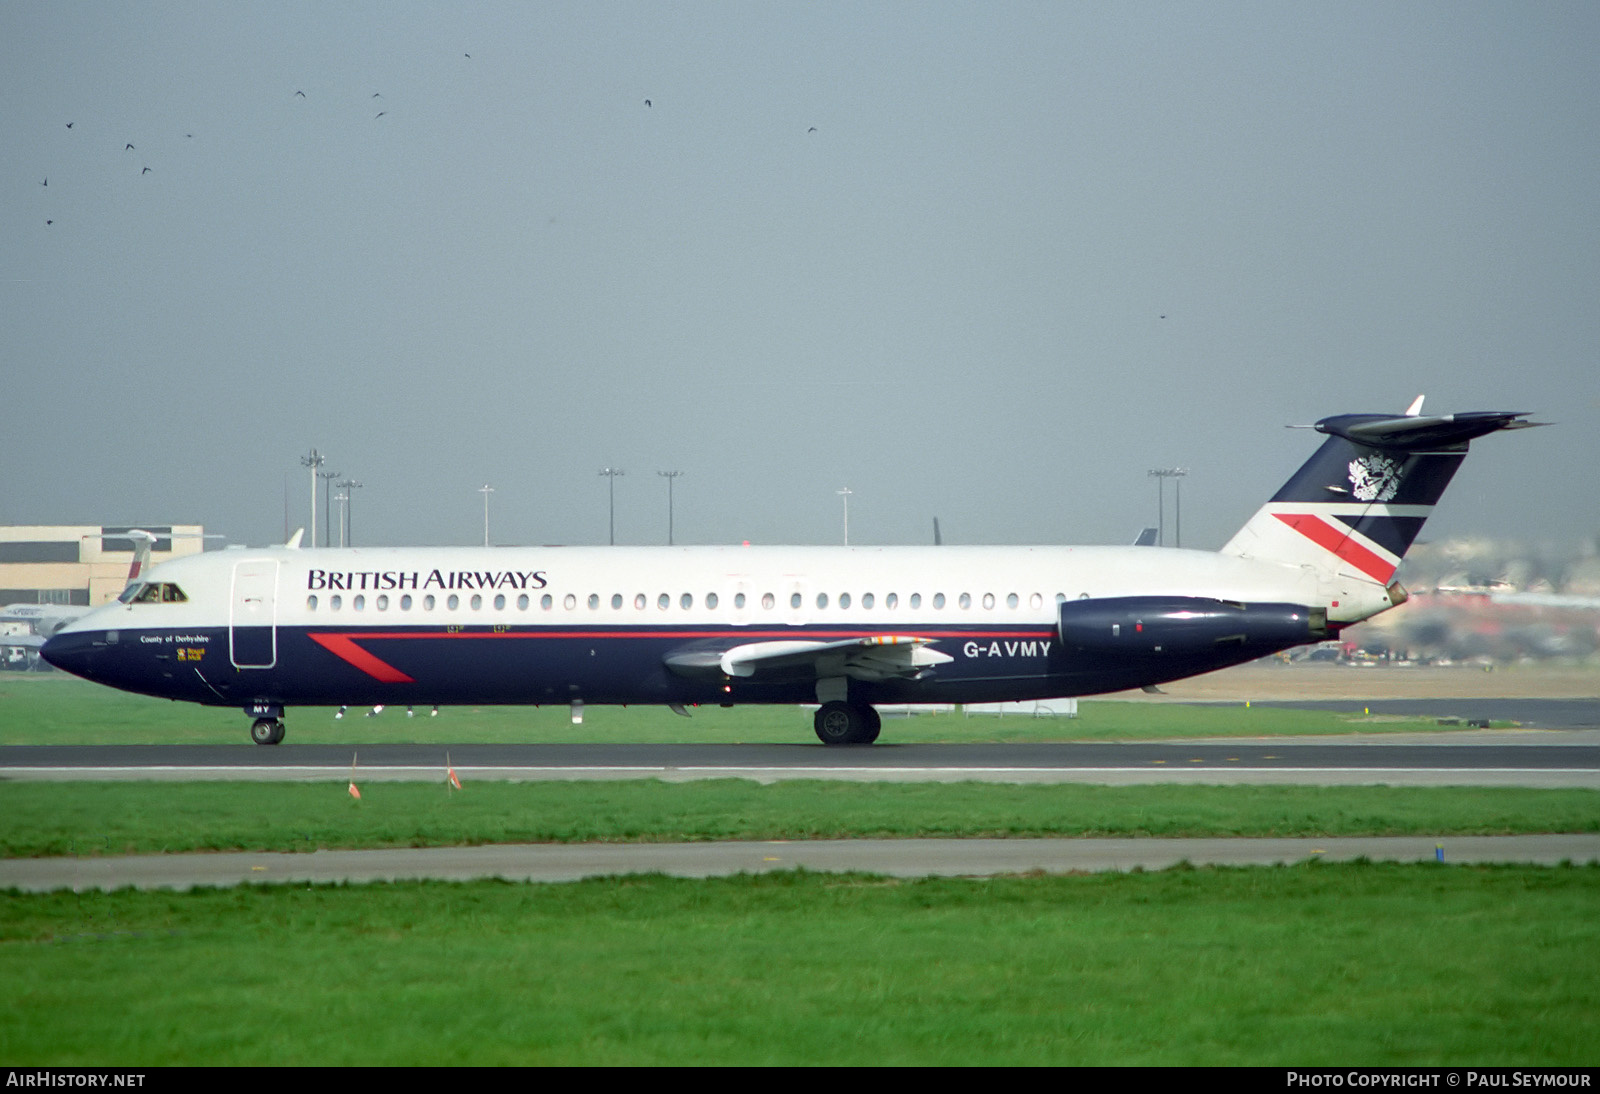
(344,646)
(341,646)
(554,631)
(1329,538)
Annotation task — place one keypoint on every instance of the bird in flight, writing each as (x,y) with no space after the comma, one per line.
(69,125)
(146,171)
(647,102)
(302,94)
(813,129)
(379,114)
(46,182)
(128,149)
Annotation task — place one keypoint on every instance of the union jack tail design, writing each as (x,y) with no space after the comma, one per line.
(1356,506)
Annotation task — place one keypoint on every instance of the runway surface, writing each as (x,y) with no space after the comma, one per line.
(1527,758)
(1477,758)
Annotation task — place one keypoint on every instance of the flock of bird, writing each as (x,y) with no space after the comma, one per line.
(146,169)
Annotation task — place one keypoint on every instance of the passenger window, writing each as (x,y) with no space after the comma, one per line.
(768,600)
(866,601)
(453,603)
(499,602)
(988,601)
(335,602)
(616,601)
(663,602)
(844,600)
(594,601)
(569,602)
(311,603)
(359,603)
(638,601)
(794,600)
(405,603)
(738,600)
(686,601)
(547,602)
(916,600)
(822,600)
(477,601)
(966,600)
(938,601)
(711,601)
(383,602)
(1011,600)
(428,603)
(522,602)
(892,601)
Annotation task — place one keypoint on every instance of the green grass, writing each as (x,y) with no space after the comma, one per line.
(55,709)
(1321,964)
(91,818)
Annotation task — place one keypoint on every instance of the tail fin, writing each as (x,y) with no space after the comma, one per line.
(1359,502)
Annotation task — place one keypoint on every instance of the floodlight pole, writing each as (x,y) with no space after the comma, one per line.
(845,494)
(669,476)
(313,461)
(611,474)
(1161,475)
(327,508)
(347,531)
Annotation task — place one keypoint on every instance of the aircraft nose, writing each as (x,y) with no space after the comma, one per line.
(72,652)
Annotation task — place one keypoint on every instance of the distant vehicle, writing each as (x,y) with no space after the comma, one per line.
(844,627)
(24,628)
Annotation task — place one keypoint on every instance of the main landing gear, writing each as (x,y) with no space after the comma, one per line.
(841,723)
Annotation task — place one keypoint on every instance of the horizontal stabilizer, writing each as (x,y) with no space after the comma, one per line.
(1408,431)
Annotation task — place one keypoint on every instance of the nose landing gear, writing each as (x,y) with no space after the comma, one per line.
(267,729)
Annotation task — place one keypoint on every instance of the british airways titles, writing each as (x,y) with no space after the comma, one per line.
(354,580)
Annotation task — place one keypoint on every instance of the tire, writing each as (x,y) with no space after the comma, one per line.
(840,723)
(266,731)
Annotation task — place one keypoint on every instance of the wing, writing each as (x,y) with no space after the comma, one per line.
(876,657)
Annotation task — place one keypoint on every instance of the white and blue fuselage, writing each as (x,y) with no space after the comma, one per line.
(845,627)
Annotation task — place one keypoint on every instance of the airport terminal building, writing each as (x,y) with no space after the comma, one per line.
(80,565)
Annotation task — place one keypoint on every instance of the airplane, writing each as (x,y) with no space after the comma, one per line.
(846,628)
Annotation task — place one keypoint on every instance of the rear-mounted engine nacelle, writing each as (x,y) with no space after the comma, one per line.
(1186,625)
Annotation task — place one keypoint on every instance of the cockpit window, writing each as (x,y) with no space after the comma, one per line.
(154,592)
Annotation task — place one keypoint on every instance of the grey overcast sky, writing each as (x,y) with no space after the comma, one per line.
(986,262)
